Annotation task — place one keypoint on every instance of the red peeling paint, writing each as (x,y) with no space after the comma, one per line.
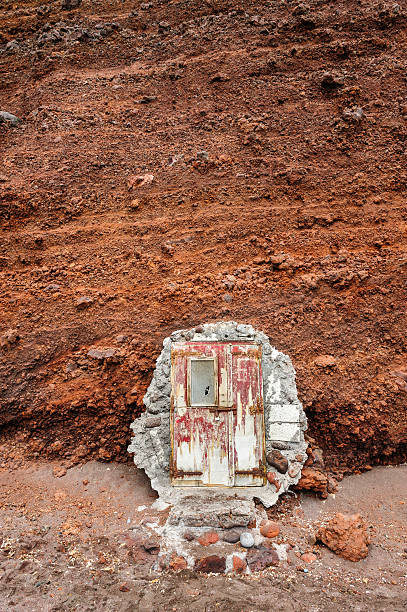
(232,430)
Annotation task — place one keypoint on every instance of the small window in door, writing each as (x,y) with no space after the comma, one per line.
(203,387)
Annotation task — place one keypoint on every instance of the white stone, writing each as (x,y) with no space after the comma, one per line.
(286,413)
(281,550)
(246,539)
(286,432)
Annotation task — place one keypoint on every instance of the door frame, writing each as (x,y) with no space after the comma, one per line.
(229,407)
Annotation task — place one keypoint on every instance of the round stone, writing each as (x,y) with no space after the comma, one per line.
(231,536)
(269,529)
(210,537)
(246,539)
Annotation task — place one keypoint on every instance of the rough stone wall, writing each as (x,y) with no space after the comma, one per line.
(285,420)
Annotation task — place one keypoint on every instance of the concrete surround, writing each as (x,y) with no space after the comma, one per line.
(285,420)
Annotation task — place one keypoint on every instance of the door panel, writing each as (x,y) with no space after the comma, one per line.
(201,448)
(248,421)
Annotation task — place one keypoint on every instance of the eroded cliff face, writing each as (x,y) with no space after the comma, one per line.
(195,161)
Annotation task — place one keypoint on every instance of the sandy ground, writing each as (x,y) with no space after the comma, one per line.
(64,548)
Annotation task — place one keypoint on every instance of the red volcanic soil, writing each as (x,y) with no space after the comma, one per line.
(273,134)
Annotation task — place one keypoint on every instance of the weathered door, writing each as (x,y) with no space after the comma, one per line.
(216,414)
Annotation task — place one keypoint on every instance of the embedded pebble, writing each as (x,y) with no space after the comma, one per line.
(231,536)
(246,539)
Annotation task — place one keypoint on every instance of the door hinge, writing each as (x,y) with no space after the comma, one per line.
(176,473)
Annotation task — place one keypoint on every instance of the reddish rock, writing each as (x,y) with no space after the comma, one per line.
(151,545)
(210,564)
(189,536)
(278,461)
(308,557)
(325,361)
(178,563)
(269,529)
(271,477)
(101,558)
(239,565)
(401,377)
(313,480)
(124,587)
(210,537)
(260,558)
(294,471)
(59,472)
(139,180)
(332,485)
(9,338)
(346,535)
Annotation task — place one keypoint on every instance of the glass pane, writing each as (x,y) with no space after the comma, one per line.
(202,382)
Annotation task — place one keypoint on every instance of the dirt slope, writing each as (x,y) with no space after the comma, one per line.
(275,134)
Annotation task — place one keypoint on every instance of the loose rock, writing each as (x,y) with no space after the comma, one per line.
(139,180)
(332,81)
(178,563)
(84,302)
(68,5)
(6,117)
(151,545)
(325,361)
(10,338)
(271,477)
(59,472)
(346,535)
(308,557)
(102,354)
(354,114)
(313,480)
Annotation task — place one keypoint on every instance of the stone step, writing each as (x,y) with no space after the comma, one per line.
(212,511)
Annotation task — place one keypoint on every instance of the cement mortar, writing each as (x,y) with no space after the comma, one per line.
(285,420)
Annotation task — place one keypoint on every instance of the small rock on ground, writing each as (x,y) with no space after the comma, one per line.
(346,535)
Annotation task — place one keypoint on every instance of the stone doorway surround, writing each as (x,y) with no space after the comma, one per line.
(285,423)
